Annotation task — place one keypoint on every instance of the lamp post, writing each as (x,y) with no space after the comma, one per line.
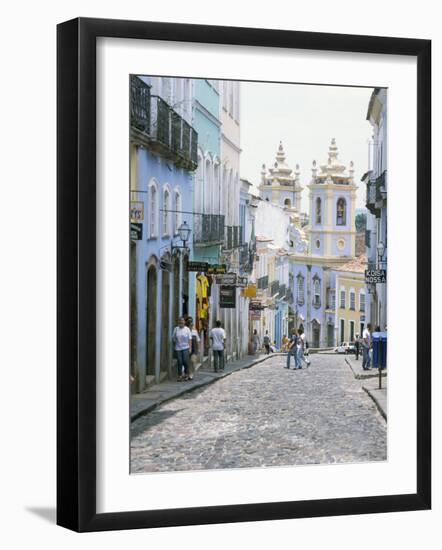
(184,234)
(381,252)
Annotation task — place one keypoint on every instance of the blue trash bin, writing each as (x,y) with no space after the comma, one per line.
(376,341)
(383,350)
(379,340)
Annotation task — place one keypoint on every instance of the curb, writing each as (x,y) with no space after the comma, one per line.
(376,402)
(364,376)
(196,386)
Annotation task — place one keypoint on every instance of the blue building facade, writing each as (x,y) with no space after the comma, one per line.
(163,158)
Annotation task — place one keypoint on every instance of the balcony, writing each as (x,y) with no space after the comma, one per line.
(208,230)
(263,282)
(376,194)
(274,288)
(233,237)
(156,126)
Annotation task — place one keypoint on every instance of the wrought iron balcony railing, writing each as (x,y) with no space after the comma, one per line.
(156,125)
(376,193)
(263,282)
(234,236)
(208,229)
(139,104)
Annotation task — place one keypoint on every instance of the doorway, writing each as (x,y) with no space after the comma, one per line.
(151,310)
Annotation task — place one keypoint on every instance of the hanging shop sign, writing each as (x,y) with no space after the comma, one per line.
(255,306)
(136,211)
(197,266)
(215,269)
(227,279)
(242,282)
(136,231)
(227,297)
(374,276)
(249,291)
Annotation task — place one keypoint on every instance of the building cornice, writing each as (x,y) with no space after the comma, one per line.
(230,143)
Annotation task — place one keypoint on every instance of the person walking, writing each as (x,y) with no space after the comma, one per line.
(182,340)
(266,342)
(218,339)
(366,345)
(256,341)
(357,347)
(292,348)
(302,343)
(195,349)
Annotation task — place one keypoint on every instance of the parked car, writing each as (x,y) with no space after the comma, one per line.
(345,347)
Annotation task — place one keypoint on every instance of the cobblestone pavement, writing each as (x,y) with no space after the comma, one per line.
(264,416)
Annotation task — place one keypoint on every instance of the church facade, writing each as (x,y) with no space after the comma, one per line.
(318,249)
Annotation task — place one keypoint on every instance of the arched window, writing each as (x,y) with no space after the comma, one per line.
(287,203)
(341,212)
(300,289)
(166,213)
(177,213)
(153,210)
(362,300)
(342,298)
(199,184)
(208,186)
(316,291)
(318,210)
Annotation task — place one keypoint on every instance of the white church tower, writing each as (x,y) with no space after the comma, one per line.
(332,202)
(280,185)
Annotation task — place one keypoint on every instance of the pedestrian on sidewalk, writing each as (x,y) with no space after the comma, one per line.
(218,339)
(292,348)
(366,345)
(285,343)
(195,349)
(357,347)
(256,341)
(266,342)
(182,340)
(301,346)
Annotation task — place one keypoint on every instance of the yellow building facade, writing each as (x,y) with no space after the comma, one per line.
(350,300)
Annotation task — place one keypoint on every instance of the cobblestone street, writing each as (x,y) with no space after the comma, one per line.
(264,416)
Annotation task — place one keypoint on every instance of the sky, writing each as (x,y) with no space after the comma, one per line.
(305,118)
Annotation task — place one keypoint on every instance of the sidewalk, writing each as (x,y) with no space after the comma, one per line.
(142,403)
(379,396)
(371,382)
(359,372)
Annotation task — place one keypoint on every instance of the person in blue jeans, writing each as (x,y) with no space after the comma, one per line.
(182,339)
(292,352)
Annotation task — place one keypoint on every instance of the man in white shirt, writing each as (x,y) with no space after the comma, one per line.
(218,339)
(182,339)
(366,345)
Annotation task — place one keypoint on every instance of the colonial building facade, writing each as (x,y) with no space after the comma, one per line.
(163,157)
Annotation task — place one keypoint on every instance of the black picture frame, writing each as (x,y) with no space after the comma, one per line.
(76,274)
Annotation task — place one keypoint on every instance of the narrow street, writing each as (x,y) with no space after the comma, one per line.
(264,416)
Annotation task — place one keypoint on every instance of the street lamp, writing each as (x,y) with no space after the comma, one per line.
(381,251)
(184,233)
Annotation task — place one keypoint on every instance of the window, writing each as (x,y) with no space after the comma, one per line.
(362,301)
(332,299)
(352,300)
(352,331)
(287,203)
(166,208)
(300,289)
(318,211)
(341,212)
(316,292)
(342,299)
(342,331)
(153,199)
(177,213)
